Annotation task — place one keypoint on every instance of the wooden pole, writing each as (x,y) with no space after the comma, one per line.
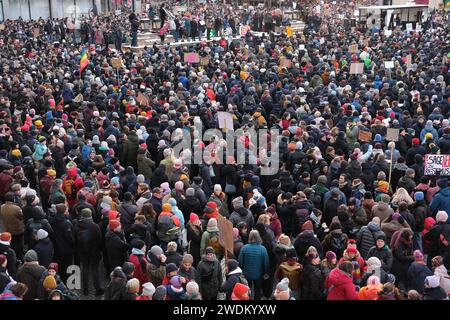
(390,165)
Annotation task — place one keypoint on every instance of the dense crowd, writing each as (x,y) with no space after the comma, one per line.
(89,174)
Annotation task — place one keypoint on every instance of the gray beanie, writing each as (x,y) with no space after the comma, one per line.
(160,293)
(148,289)
(156,250)
(190,192)
(30,256)
(140,178)
(283,285)
(86,213)
(188,258)
(238,202)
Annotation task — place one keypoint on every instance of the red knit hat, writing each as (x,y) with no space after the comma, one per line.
(240,290)
(53,266)
(5,238)
(352,250)
(193,217)
(113,224)
(307,226)
(113,215)
(212,205)
(351,243)
(415,141)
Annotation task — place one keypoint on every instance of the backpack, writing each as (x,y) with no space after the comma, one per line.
(243,280)
(213,241)
(84,240)
(69,188)
(338,245)
(166,229)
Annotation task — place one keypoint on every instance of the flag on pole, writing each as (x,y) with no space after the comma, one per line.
(84,62)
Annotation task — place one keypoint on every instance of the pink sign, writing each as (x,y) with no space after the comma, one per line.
(191,57)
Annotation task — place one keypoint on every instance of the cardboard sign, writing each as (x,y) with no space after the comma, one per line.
(225,120)
(225,234)
(285,63)
(353,48)
(365,136)
(243,30)
(2,27)
(289,32)
(117,63)
(392,134)
(389,64)
(366,42)
(191,57)
(204,61)
(357,68)
(142,99)
(437,165)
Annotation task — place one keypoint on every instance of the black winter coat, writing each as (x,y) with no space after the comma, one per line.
(210,278)
(117,248)
(44,249)
(88,239)
(63,235)
(312,283)
(304,241)
(11,258)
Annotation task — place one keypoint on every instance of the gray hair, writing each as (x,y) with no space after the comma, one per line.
(254,237)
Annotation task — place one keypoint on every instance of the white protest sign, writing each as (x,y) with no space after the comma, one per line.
(301,47)
(225,120)
(322,40)
(387,33)
(409,27)
(389,64)
(437,164)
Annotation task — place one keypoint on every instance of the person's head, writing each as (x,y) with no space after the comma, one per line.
(56,295)
(380,241)
(414,295)
(19,289)
(171,269)
(187,261)
(133,286)
(437,261)
(254,237)
(241,291)
(388,288)
(373,281)
(346,267)
(49,283)
(282,291)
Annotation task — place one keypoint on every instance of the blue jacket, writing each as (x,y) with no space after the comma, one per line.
(441,201)
(427,129)
(254,261)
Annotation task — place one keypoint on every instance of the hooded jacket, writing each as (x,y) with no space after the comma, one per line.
(340,286)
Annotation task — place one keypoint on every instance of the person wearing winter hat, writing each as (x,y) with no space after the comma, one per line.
(5,248)
(370,291)
(175,290)
(328,263)
(25,272)
(49,283)
(240,292)
(160,293)
(43,247)
(417,272)
(148,290)
(290,269)
(193,291)
(282,291)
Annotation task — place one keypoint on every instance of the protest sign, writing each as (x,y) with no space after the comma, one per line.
(357,68)
(353,48)
(389,64)
(36,32)
(225,233)
(142,99)
(437,164)
(365,136)
(392,134)
(191,57)
(387,33)
(204,61)
(117,63)
(409,27)
(408,61)
(225,120)
(2,27)
(289,32)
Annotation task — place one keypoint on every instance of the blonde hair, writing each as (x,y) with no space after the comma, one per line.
(401,195)
(264,219)
(133,285)
(284,239)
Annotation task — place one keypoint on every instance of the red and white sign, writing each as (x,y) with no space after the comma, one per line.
(437,165)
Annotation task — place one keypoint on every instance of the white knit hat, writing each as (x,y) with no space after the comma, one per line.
(148,289)
(42,234)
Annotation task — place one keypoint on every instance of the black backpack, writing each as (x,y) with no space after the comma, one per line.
(338,245)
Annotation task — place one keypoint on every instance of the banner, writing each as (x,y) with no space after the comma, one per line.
(437,165)
(191,57)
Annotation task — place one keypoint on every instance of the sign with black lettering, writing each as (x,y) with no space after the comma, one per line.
(437,165)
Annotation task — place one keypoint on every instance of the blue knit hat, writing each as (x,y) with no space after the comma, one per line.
(419,196)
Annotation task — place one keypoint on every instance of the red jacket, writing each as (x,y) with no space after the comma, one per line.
(5,183)
(139,274)
(340,286)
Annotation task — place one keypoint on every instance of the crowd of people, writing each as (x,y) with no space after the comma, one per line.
(90,177)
